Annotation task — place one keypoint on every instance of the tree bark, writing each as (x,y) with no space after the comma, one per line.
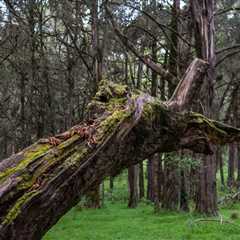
(141,181)
(111,185)
(133,177)
(171,187)
(152,174)
(238,166)
(231,164)
(93,198)
(203,19)
(150,195)
(156,182)
(220,162)
(183,192)
(41,183)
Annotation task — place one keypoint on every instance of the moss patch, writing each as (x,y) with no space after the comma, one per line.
(211,129)
(16,209)
(38,150)
(76,157)
(110,123)
(108,90)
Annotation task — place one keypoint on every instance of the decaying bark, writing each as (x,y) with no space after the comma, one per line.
(41,183)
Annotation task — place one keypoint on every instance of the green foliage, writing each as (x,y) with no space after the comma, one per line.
(116,221)
(185,161)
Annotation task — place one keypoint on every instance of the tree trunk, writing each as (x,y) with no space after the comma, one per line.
(95,46)
(93,198)
(174,51)
(150,195)
(133,178)
(171,177)
(183,192)
(111,186)
(41,183)
(156,182)
(141,181)
(237,114)
(238,166)
(171,187)
(220,162)
(203,18)
(231,164)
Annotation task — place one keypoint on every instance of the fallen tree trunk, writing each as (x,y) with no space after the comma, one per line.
(41,183)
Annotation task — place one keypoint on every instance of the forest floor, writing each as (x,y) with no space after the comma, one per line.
(117,222)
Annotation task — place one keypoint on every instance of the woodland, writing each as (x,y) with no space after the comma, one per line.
(119,119)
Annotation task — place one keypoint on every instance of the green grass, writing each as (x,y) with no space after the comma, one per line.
(117,222)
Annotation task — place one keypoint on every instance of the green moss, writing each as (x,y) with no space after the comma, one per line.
(95,104)
(155,109)
(108,90)
(27,181)
(16,209)
(104,91)
(116,103)
(38,150)
(76,157)
(148,111)
(202,120)
(120,90)
(110,123)
(68,142)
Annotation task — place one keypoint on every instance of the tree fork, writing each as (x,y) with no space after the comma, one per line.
(42,182)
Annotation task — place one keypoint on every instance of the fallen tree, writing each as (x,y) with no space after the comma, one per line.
(41,183)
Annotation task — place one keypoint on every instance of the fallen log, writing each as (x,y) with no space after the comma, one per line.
(41,183)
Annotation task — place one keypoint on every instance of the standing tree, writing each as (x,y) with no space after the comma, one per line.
(203,18)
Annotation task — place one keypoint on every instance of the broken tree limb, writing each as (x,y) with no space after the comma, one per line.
(188,90)
(42,182)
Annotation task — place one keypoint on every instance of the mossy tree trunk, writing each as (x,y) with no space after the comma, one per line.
(41,183)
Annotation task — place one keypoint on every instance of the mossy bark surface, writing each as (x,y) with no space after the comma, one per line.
(41,183)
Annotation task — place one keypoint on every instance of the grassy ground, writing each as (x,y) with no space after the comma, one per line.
(117,222)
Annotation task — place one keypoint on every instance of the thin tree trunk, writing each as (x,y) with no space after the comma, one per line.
(111,185)
(150,195)
(183,192)
(171,175)
(231,164)
(156,182)
(141,181)
(220,161)
(238,166)
(133,180)
(93,197)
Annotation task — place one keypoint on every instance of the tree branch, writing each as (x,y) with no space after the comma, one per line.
(189,87)
(146,60)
